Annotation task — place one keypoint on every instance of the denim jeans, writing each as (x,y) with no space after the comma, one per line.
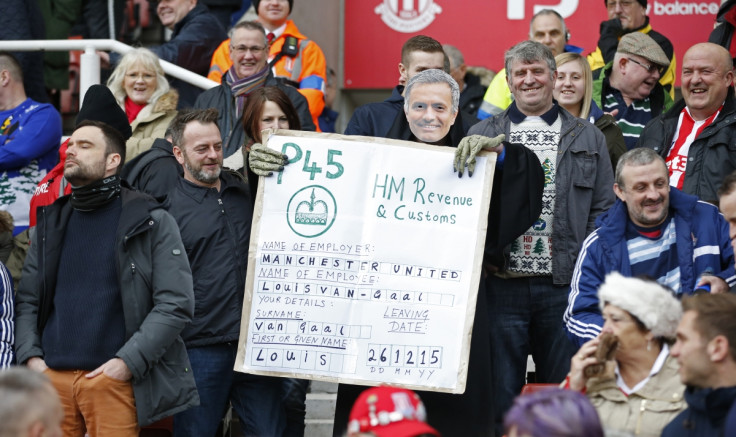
(294,396)
(256,399)
(525,317)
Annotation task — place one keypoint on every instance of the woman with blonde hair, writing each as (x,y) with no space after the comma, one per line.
(574,92)
(141,89)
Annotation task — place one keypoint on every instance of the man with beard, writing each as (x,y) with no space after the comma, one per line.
(213,208)
(627,87)
(652,229)
(105,295)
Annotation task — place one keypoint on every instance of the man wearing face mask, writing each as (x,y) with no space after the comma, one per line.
(430,115)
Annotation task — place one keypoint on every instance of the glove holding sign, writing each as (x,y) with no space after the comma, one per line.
(469,148)
(264,161)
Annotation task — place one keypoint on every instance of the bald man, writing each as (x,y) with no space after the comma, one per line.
(695,137)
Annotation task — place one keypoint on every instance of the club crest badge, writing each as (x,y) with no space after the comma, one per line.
(408,16)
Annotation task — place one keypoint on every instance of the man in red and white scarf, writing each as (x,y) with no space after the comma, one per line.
(695,137)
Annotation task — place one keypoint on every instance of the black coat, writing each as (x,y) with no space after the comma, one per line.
(155,172)
(215,229)
(472,96)
(375,119)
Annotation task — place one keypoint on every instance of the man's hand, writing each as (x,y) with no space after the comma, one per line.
(115,368)
(717,285)
(470,146)
(264,161)
(37,364)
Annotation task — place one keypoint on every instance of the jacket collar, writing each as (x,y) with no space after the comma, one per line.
(396,95)
(197,192)
(292,30)
(713,403)
(549,117)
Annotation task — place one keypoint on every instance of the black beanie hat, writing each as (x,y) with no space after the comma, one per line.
(291,5)
(643,3)
(100,105)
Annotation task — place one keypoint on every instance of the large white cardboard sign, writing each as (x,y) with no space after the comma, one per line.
(364,263)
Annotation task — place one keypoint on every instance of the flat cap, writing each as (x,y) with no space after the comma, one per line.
(641,44)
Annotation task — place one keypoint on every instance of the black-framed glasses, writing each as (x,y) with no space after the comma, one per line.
(649,67)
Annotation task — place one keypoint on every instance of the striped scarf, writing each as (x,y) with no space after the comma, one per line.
(241,88)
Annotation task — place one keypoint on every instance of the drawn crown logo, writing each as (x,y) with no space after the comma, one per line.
(312,212)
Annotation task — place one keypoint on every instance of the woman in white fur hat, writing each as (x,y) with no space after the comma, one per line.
(639,392)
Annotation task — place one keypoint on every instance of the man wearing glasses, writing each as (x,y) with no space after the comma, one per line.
(695,138)
(627,16)
(249,55)
(627,87)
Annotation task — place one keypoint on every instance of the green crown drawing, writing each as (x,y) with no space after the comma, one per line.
(312,212)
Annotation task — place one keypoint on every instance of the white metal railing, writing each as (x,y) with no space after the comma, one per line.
(89,68)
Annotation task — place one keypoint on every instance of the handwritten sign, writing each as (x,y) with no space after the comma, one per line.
(364,263)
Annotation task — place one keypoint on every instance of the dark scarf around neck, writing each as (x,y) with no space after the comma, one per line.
(95,195)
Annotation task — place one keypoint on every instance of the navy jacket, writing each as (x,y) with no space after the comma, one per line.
(705,415)
(376,119)
(191,46)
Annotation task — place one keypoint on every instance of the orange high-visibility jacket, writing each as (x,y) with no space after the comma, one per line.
(307,69)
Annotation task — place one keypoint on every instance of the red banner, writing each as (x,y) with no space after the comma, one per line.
(484,29)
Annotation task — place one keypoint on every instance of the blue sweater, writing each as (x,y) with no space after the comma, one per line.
(30,135)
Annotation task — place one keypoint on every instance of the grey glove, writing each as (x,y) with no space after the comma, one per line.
(470,146)
(264,161)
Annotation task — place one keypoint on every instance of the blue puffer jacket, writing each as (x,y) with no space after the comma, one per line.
(702,243)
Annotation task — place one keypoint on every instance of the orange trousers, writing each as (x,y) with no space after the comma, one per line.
(101,406)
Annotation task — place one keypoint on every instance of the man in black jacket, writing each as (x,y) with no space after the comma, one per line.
(213,209)
(695,137)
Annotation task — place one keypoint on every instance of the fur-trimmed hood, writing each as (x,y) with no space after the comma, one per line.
(167,102)
(651,303)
